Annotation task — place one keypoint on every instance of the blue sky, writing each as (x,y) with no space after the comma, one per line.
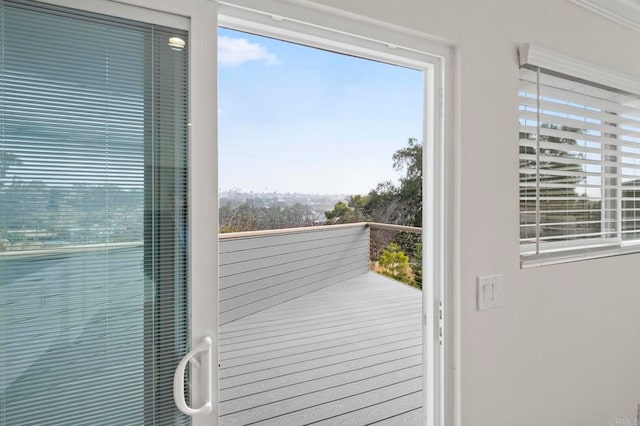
(297,119)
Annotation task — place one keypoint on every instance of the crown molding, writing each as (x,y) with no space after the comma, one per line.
(536,56)
(623,12)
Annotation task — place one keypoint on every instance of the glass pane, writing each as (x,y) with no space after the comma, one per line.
(93,250)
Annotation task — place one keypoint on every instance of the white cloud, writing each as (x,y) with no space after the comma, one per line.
(237,51)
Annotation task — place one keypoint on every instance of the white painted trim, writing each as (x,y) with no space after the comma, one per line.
(452,189)
(549,247)
(308,23)
(431,219)
(555,258)
(316,15)
(537,56)
(201,17)
(623,12)
(331,31)
(203,180)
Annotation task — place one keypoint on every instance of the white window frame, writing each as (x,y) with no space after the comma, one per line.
(571,251)
(327,28)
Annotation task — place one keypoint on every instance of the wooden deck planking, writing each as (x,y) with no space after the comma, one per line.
(346,354)
(380,300)
(357,349)
(383,345)
(364,341)
(251,401)
(318,325)
(256,328)
(409,418)
(408,396)
(268,380)
(297,339)
(340,399)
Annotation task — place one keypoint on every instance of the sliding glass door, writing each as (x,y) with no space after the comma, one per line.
(94,217)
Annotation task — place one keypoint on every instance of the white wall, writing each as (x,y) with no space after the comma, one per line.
(565,349)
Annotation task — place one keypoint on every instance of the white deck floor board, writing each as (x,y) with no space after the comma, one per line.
(327,323)
(269,378)
(335,395)
(316,307)
(251,401)
(409,418)
(362,408)
(381,410)
(260,385)
(314,360)
(317,343)
(325,333)
(251,328)
(364,342)
(348,354)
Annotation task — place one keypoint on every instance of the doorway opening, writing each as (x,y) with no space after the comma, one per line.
(321,251)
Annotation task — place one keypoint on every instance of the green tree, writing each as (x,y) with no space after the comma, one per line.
(388,203)
(254,215)
(394,263)
(416,264)
(353,211)
(341,213)
(7,161)
(559,183)
(409,161)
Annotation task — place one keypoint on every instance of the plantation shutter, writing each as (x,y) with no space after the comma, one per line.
(579,164)
(93,215)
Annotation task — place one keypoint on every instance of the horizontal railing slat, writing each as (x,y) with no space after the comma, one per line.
(233,257)
(263,270)
(246,278)
(320,265)
(338,270)
(230,244)
(262,304)
(263,259)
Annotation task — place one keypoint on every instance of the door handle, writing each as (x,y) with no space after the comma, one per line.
(205,346)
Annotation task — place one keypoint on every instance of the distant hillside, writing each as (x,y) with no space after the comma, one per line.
(249,211)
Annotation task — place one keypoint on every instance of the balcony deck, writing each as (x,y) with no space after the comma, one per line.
(350,353)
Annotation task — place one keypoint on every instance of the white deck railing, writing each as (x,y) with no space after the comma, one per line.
(261,269)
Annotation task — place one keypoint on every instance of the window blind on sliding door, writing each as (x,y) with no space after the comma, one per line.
(579,164)
(93,218)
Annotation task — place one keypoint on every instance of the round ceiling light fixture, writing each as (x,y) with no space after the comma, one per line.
(176,43)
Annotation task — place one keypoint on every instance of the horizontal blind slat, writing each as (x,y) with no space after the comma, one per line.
(93,165)
(587,166)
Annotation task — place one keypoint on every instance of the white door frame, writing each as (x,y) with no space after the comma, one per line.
(314,25)
(379,40)
(199,17)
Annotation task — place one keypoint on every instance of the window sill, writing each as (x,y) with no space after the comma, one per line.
(578,255)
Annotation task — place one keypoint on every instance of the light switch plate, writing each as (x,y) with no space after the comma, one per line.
(489,292)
